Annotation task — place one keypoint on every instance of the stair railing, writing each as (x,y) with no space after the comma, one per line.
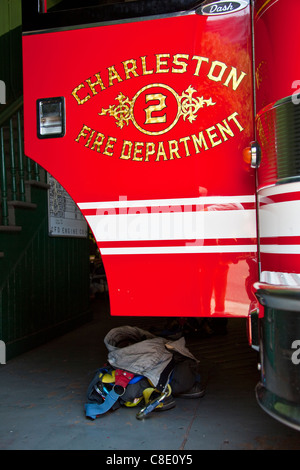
(15,167)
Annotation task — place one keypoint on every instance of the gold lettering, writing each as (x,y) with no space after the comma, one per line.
(225,130)
(160,63)
(126,150)
(113,75)
(232,116)
(150,150)
(212,135)
(75,91)
(144,67)
(137,150)
(199,141)
(92,85)
(98,141)
(130,67)
(161,152)
(181,64)
(184,140)
(173,149)
(90,138)
(215,64)
(199,63)
(109,146)
(233,76)
(155,107)
(83,133)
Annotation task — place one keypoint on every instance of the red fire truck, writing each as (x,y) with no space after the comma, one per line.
(174,127)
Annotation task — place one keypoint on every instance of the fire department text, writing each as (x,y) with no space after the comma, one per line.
(160,151)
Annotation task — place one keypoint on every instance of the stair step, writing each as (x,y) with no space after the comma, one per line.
(22,205)
(33,184)
(10,228)
(38,184)
(13,205)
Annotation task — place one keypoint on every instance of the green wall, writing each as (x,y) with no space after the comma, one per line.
(11,48)
(44,281)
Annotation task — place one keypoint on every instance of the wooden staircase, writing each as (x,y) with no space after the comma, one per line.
(18,173)
(44,280)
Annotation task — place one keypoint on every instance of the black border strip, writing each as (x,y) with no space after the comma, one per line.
(33,21)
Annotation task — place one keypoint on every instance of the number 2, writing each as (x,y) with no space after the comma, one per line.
(155,108)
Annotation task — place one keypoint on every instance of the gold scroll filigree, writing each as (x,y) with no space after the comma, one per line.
(188,107)
(121,112)
(191,105)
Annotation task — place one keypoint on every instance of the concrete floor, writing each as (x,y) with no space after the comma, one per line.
(42,396)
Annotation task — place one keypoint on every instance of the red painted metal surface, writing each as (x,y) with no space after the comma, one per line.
(277,72)
(158,113)
(277,75)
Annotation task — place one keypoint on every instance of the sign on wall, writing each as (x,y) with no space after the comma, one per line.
(65,219)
